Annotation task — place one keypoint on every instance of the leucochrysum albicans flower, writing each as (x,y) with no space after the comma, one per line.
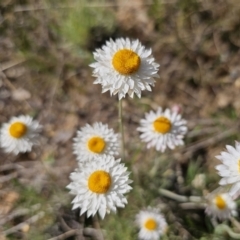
(221,206)
(19,134)
(100,186)
(124,67)
(151,223)
(229,170)
(94,141)
(162,129)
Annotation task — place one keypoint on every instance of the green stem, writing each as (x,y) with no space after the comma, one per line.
(180,198)
(121,130)
(222,228)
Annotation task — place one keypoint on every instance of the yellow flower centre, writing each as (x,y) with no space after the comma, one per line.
(99,182)
(96,144)
(239,165)
(220,202)
(150,224)
(162,125)
(126,61)
(18,129)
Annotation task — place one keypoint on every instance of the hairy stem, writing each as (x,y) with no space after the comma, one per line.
(121,129)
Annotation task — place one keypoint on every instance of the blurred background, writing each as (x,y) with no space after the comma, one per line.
(45,51)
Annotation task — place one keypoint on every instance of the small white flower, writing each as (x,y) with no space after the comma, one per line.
(221,206)
(95,141)
(229,170)
(151,223)
(162,129)
(124,66)
(19,134)
(100,186)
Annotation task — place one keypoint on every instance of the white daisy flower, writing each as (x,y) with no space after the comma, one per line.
(162,129)
(229,170)
(95,141)
(100,186)
(151,223)
(19,134)
(221,206)
(124,66)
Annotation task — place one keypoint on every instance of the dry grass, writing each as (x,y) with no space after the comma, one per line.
(45,49)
